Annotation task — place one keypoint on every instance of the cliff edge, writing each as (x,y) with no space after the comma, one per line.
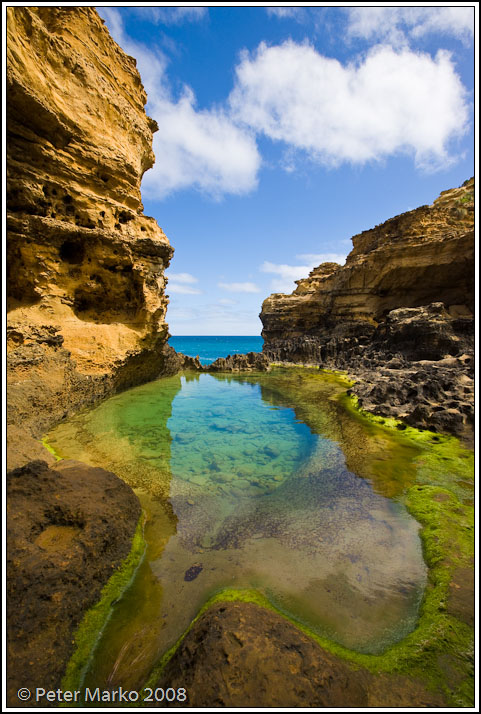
(398,316)
(86,311)
(86,302)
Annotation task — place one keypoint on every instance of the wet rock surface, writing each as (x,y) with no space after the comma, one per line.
(417,365)
(241,655)
(68,528)
(252,361)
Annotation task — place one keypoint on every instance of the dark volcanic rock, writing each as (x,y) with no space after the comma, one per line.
(250,362)
(393,316)
(68,528)
(416,365)
(241,655)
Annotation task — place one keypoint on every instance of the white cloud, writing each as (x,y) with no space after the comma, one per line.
(183,289)
(173,15)
(315,259)
(181,284)
(196,148)
(227,301)
(239,287)
(397,24)
(391,102)
(213,319)
(182,278)
(287,274)
(291,13)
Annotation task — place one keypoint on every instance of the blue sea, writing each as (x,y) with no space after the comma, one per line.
(210,348)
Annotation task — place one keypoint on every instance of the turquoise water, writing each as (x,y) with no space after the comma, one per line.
(242,493)
(210,348)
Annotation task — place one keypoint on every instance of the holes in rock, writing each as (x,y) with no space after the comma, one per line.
(142,229)
(125,217)
(117,226)
(67,198)
(102,213)
(72,252)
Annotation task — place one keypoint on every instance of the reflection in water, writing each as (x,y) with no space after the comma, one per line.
(254,482)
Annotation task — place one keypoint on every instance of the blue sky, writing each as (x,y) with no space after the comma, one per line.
(284,131)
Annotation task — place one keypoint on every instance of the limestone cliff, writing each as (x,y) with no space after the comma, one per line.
(398,315)
(86,303)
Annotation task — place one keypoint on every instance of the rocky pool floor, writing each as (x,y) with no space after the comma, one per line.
(258,482)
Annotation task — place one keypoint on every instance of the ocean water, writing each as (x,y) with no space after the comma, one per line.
(210,348)
(253,481)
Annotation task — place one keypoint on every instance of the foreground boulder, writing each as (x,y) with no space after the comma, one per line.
(68,528)
(241,655)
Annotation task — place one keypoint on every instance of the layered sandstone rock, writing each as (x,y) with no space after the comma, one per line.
(398,315)
(86,302)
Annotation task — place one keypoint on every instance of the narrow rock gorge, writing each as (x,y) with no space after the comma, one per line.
(398,316)
(86,309)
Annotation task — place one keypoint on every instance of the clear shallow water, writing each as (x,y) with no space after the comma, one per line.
(210,348)
(240,492)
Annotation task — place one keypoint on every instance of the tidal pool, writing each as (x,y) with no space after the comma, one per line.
(260,481)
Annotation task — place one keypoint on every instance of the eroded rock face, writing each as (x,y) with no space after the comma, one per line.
(68,528)
(241,655)
(398,316)
(250,362)
(86,285)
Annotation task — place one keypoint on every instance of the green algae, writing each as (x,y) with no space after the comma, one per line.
(50,449)
(440,644)
(440,651)
(432,475)
(95,619)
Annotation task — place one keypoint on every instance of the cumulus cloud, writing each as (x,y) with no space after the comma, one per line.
(181,284)
(287,274)
(284,283)
(390,102)
(239,287)
(203,149)
(399,24)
